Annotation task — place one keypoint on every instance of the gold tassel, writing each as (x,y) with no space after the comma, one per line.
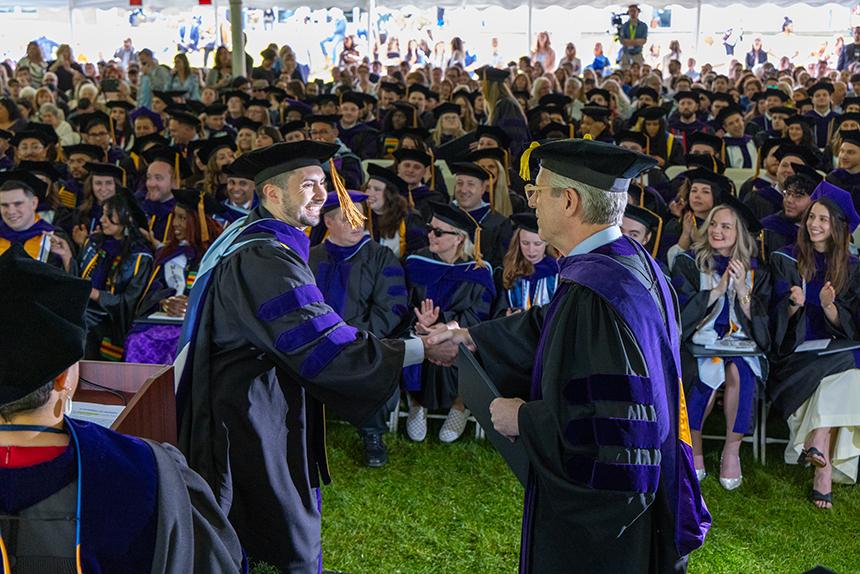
(350,211)
(641,191)
(570,131)
(723,154)
(758,163)
(281,114)
(201,216)
(479,260)
(647,144)
(714,161)
(411,200)
(124,178)
(587,137)
(492,188)
(525,170)
(432,169)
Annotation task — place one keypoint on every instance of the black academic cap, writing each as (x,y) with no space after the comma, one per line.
(127,106)
(154,138)
(782,110)
(259,102)
(495,133)
(800,120)
(89,150)
(468,168)
(184,117)
(826,86)
(330,98)
(391,87)
(600,113)
(190,200)
(598,92)
(686,95)
(631,136)
(331,119)
(414,155)
(720,184)
(138,217)
(800,104)
(297,106)
(703,92)
(285,157)
(849,116)
(524,94)
(446,108)
(652,113)
(535,112)
(527,221)
(36,133)
(727,112)
(777,93)
(45,168)
(492,74)
(6,135)
(371,100)
(215,109)
(387,176)
(791,150)
(706,161)
(42,312)
(850,101)
(644,216)
(602,165)
(647,91)
(296,126)
(244,123)
(495,153)
(353,98)
(236,94)
(241,168)
(768,145)
(38,186)
(714,142)
(407,109)
(418,132)
(850,136)
(212,145)
(807,172)
(420,88)
(722,97)
(453,215)
(558,100)
(88,121)
(194,106)
(170,156)
(106,169)
(744,213)
(554,130)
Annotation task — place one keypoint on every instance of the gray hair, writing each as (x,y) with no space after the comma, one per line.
(52,109)
(599,207)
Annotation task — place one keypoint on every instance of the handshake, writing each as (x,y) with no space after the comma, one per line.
(442,342)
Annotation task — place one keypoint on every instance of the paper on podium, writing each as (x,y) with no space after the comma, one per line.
(478,391)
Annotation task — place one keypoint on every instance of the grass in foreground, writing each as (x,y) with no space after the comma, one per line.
(456,508)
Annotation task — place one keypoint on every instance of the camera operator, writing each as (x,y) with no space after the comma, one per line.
(633,35)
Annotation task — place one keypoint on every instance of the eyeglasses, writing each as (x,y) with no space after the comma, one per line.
(532,190)
(440,232)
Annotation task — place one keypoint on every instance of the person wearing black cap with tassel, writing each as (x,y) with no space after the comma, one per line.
(364,283)
(394,224)
(448,281)
(740,148)
(20,194)
(767,200)
(65,482)
(75,157)
(358,136)
(684,122)
(165,172)
(258,360)
(323,128)
(661,145)
(847,172)
(622,498)
(104,181)
(780,229)
(822,114)
(241,196)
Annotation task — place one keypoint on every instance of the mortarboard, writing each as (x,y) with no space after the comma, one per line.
(727,112)
(215,109)
(92,151)
(776,92)
(558,100)
(127,106)
(720,184)
(244,123)
(184,117)
(706,161)
(496,133)
(807,172)
(154,117)
(491,74)
(330,119)
(826,86)
(850,136)
(789,149)
(647,91)
(446,108)
(172,157)
(688,95)
(600,113)
(45,168)
(631,136)
(744,213)
(36,185)
(710,140)
(413,155)
(296,126)
(468,169)
(106,169)
(598,92)
(652,113)
(388,177)
(527,221)
(212,145)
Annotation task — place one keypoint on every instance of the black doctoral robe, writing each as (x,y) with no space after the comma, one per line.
(585,373)
(264,353)
(496,234)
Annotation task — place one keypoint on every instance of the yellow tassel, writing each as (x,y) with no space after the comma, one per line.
(432,169)
(124,184)
(587,137)
(201,215)
(479,261)
(492,189)
(723,153)
(525,170)
(350,211)
(758,163)
(369,220)
(647,145)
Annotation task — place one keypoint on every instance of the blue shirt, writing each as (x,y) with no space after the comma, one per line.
(630,32)
(599,239)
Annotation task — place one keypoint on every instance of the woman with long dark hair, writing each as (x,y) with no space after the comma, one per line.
(221,74)
(118,261)
(816,299)
(173,272)
(529,274)
(392,223)
(185,78)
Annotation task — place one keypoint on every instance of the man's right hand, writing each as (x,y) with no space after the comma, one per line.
(442,346)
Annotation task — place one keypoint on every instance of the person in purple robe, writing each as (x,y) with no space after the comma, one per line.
(592,383)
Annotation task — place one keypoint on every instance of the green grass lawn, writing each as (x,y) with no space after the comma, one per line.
(456,509)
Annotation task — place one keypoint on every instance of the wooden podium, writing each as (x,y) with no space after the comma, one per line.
(146,390)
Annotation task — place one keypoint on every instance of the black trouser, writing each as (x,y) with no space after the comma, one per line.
(377,423)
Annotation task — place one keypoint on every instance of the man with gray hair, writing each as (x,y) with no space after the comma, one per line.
(594,381)
(262,352)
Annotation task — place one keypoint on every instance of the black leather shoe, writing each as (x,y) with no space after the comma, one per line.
(375,453)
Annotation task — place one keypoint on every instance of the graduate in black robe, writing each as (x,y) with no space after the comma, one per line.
(393,223)
(29,229)
(260,358)
(780,229)
(847,175)
(767,199)
(612,487)
(365,284)
(137,506)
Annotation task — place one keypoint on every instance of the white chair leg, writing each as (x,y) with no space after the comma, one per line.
(394,418)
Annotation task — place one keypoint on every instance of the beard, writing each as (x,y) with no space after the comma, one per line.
(687,114)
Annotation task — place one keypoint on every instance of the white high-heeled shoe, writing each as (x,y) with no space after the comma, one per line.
(730,483)
(701,474)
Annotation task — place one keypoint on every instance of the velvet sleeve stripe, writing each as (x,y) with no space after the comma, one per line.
(624,433)
(641,478)
(326,350)
(307,332)
(289,301)
(393,272)
(624,388)
(397,291)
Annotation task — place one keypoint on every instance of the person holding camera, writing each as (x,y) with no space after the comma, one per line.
(632,35)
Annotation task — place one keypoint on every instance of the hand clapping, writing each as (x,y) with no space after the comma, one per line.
(827,295)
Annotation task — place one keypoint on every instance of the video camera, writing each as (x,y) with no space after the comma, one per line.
(618,19)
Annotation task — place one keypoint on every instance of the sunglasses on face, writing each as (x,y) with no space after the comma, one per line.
(440,232)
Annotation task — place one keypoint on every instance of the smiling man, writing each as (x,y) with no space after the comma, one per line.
(262,350)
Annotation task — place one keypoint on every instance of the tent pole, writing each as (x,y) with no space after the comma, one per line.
(698,27)
(238,38)
(217,28)
(529,39)
(371,28)
(72,23)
